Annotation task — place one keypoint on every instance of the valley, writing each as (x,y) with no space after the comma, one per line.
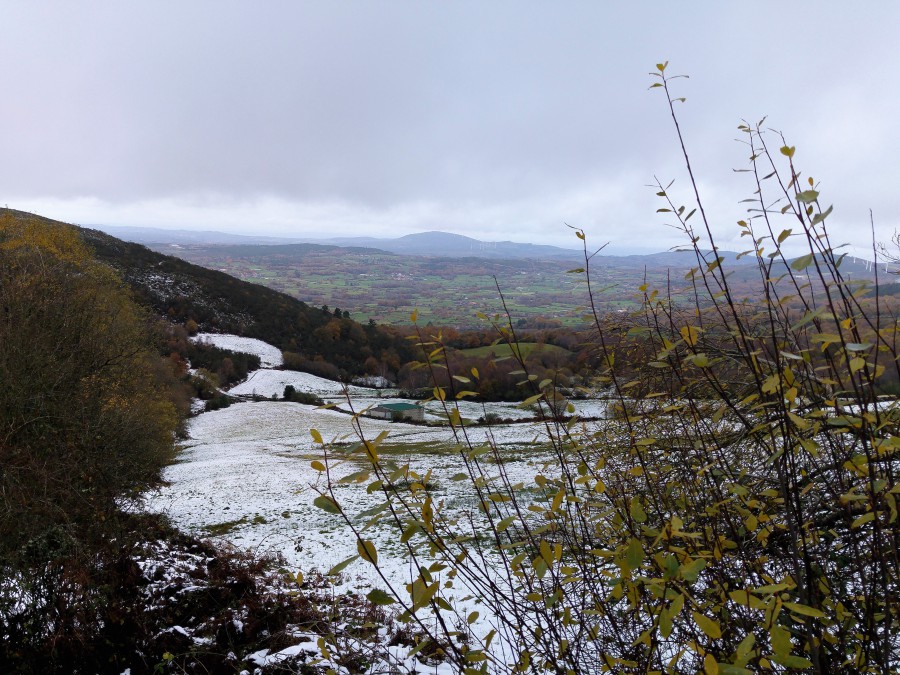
(387,287)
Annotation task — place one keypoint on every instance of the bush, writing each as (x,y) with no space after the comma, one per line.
(86,423)
(230,367)
(291,394)
(739,514)
(84,419)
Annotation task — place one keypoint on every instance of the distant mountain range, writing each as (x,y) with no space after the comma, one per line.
(435,244)
(447,245)
(438,244)
(157,235)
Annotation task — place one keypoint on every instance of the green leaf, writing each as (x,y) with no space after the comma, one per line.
(691,571)
(802,262)
(731,669)
(326,503)
(378,597)
(419,647)
(863,519)
(504,524)
(784,235)
(781,640)
(791,661)
(356,477)
(367,551)
(637,511)
(709,626)
(665,622)
(634,554)
(530,400)
(788,151)
(341,566)
(408,533)
(744,597)
(807,196)
(804,610)
(819,217)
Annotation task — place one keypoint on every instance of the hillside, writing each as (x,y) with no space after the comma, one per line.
(451,291)
(446,244)
(435,243)
(217,302)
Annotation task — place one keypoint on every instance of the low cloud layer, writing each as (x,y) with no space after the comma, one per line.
(497,120)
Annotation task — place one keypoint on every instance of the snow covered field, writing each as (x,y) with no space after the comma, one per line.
(245,476)
(268,383)
(269,356)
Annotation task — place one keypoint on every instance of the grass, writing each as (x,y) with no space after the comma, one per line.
(221,529)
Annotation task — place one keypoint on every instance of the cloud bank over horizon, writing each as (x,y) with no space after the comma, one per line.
(501,121)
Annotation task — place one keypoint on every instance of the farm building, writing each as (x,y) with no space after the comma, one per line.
(398,411)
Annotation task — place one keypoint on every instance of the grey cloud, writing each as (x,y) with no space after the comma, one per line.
(507,111)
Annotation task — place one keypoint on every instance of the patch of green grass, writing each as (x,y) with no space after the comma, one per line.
(221,529)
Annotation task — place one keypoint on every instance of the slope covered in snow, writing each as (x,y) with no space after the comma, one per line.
(269,356)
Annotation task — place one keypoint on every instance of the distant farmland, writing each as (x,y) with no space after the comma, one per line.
(387,287)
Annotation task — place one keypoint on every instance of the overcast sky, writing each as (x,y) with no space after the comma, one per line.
(499,120)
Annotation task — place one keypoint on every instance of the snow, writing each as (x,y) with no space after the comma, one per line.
(268,383)
(245,473)
(307,648)
(269,356)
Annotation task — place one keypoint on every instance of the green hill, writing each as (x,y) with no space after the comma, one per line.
(217,302)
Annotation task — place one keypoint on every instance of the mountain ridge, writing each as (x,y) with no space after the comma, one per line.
(218,302)
(435,243)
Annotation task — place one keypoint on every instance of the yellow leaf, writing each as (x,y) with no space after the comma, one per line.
(863,519)
(804,610)
(367,551)
(781,640)
(316,436)
(689,335)
(546,552)
(709,626)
